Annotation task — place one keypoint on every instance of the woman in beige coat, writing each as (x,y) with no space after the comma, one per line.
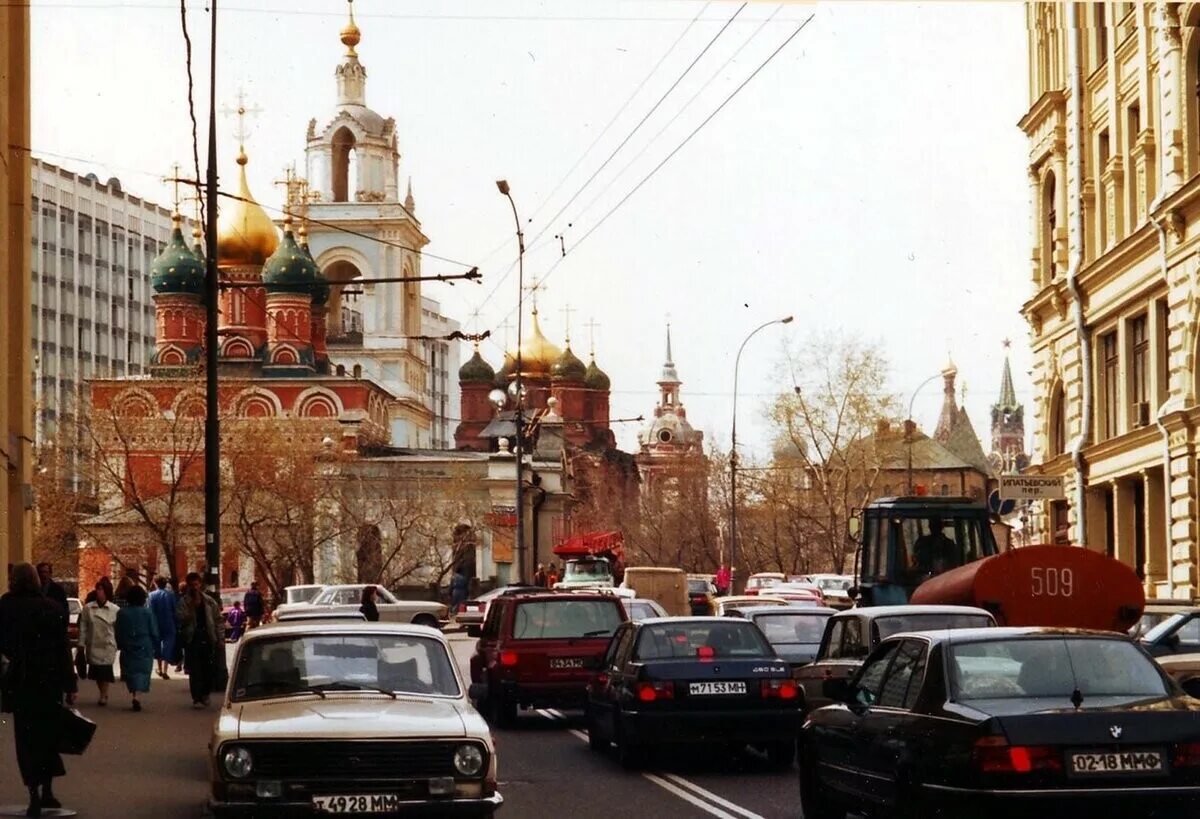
(98,636)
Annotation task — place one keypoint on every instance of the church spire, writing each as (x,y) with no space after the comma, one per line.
(351,35)
(1008,395)
(351,75)
(669,374)
(949,416)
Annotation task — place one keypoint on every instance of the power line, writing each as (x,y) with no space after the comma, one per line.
(191,98)
(677,148)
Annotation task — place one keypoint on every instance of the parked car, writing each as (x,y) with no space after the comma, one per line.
(320,615)
(1184,669)
(734,606)
(1178,633)
(539,649)
(74,608)
(755,583)
(349,718)
(641,609)
(349,598)
(471,613)
(301,594)
(994,721)
(851,635)
(666,586)
(795,633)
(683,680)
(798,593)
(702,595)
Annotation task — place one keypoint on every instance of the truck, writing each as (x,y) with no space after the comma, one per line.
(591,560)
(943,551)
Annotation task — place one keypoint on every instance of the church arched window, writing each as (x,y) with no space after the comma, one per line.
(343,162)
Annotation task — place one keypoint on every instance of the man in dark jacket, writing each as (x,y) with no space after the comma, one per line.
(253,606)
(39,677)
(52,591)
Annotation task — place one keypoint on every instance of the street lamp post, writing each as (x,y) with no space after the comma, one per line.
(908,429)
(518,450)
(733,456)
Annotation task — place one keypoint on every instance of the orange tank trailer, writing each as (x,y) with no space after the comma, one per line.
(1062,586)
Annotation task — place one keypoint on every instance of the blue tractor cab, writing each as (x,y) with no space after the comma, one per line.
(905,541)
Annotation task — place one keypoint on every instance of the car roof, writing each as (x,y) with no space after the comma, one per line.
(296,628)
(926,504)
(651,621)
(874,612)
(971,635)
(758,611)
(559,594)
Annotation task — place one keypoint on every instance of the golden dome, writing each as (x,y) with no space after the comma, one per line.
(245,234)
(351,36)
(538,353)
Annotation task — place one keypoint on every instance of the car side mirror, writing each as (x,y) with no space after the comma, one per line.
(477,692)
(474,631)
(838,690)
(1172,641)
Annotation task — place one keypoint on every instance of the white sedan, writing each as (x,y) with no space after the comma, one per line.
(348,597)
(352,718)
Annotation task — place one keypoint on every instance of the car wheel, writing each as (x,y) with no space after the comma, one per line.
(816,801)
(781,754)
(630,755)
(425,620)
(596,740)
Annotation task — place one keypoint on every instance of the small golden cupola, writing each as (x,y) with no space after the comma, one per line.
(245,234)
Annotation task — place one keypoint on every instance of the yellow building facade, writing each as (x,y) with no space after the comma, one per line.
(16,402)
(1114,177)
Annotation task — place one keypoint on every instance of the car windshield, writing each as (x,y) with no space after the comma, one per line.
(350,596)
(929,622)
(686,640)
(397,663)
(1052,667)
(828,584)
(586,569)
(787,629)
(1166,627)
(565,619)
(641,609)
(698,587)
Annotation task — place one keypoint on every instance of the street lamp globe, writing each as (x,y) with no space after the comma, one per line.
(498,398)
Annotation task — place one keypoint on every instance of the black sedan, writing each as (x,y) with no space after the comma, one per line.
(795,633)
(681,680)
(992,722)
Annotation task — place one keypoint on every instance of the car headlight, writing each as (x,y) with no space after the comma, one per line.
(468,760)
(237,761)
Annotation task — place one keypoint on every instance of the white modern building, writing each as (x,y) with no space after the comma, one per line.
(442,355)
(93,312)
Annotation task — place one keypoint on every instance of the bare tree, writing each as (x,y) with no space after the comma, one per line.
(57,507)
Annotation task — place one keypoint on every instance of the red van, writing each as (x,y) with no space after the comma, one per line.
(539,649)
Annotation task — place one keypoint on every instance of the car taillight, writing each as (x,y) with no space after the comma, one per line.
(651,691)
(705,654)
(1187,755)
(508,658)
(779,689)
(462,607)
(995,755)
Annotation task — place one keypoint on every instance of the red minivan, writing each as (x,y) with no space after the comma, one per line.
(539,649)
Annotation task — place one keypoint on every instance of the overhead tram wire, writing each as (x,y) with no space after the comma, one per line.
(608,186)
(191,97)
(676,149)
(533,243)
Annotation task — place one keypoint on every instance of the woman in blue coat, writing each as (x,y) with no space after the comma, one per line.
(137,639)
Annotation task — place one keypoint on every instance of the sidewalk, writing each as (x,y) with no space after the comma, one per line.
(151,764)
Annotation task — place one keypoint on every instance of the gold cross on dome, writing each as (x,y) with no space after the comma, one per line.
(592,324)
(567,311)
(506,326)
(175,180)
(241,112)
(533,289)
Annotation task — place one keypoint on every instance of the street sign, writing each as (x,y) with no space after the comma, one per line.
(1031,487)
(1000,506)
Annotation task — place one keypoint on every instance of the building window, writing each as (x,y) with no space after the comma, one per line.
(1050,227)
(343,159)
(1060,523)
(1110,362)
(1101,34)
(1058,422)
(1103,153)
(1139,370)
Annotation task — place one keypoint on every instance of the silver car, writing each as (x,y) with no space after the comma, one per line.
(350,718)
(348,597)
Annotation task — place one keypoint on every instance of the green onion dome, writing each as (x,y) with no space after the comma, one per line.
(596,378)
(177,269)
(506,371)
(476,371)
(289,269)
(568,367)
(320,288)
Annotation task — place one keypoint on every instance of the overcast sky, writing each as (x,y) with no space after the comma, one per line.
(871,179)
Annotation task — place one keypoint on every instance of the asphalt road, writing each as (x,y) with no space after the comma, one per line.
(152,764)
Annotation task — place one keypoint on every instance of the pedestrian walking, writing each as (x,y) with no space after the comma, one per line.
(52,591)
(458,589)
(38,678)
(202,636)
(253,604)
(137,639)
(180,593)
(162,605)
(722,580)
(539,577)
(98,636)
(368,607)
(237,622)
(128,580)
(551,576)
(108,587)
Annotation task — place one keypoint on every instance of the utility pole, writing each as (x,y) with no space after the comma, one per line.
(522,577)
(212,424)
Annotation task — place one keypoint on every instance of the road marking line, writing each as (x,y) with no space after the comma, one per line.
(725,803)
(548,714)
(579,734)
(687,797)
(557,713)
